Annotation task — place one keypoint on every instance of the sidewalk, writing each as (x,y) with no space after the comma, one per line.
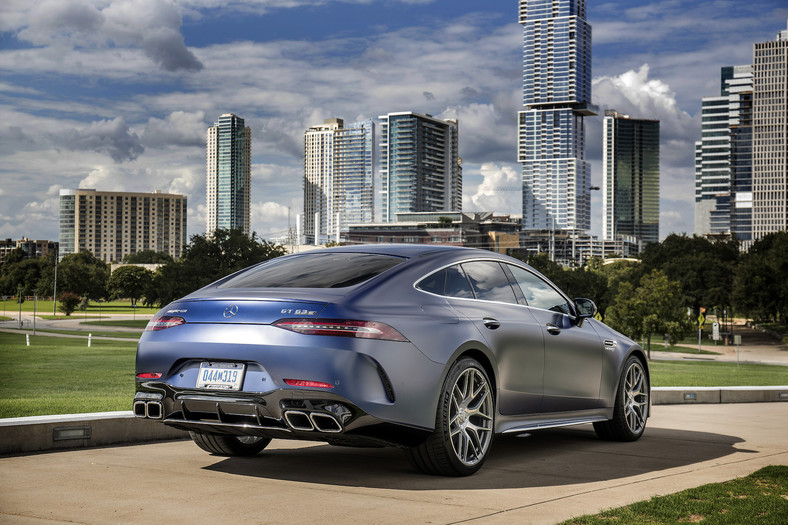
(757,347)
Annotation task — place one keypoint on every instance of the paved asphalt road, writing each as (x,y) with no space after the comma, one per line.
(547,477)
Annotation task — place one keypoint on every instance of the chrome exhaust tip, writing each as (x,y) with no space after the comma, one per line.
(139,409)
(154,410)
(298,420)
(325,423)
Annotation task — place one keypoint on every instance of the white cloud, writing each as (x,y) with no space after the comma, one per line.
(150,25)
(112,137)
(500,190)
(179,128)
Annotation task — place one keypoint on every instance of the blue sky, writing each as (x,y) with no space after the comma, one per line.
(117,94)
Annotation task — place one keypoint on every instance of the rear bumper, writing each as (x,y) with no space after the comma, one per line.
(284,414)
(390,381)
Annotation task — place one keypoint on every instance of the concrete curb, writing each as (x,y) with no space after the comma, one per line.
(679,395)
(44,433)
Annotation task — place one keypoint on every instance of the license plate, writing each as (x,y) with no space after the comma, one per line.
(221,376)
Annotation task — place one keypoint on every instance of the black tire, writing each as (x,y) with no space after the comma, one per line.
(221,445)
(464,424)
(632,405)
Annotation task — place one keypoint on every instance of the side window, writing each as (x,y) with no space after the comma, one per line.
(456,283)
(434,283)
(489,282)
(538,293)
(450,282)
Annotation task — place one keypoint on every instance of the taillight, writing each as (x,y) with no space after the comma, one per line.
(165,321)
(149,375)
(308,384)
(342,328)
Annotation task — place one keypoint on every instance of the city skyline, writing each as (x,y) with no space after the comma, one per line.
(119,97)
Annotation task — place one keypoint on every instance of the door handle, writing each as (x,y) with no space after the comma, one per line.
(553,329)
(491,323)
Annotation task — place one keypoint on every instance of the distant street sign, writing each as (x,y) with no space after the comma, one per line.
(701,320)
(716,331)
(737,340)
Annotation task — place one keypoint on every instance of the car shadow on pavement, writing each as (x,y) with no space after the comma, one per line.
(545,458)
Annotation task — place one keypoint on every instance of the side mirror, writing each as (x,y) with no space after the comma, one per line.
(585,308)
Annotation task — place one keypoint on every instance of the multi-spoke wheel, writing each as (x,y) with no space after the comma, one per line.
(631,408)
(230,445)
(463,425)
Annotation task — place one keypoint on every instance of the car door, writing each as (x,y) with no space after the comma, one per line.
(481,291)
(573,352)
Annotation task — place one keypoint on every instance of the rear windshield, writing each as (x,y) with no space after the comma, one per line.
(319,270)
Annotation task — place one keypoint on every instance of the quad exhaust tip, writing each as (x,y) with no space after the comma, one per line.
(148,409)
(299,420)
(305,421)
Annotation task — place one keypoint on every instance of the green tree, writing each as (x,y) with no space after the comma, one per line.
(760,287)
(129,282)
(704,268)
(83,274)
(24,274)
(68,302)
(147,257)
(656,306)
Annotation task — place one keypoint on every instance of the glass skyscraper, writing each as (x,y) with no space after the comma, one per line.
(420,167)
(339,184)
(228,175)
(557,97)
(630,187)
(723,158)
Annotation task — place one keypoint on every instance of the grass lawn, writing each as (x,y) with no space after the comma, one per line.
(95,333)
(130,323)
(757,498)
(694,373)
(110,307)
(57,375)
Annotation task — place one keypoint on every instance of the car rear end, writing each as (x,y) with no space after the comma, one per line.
(287,363)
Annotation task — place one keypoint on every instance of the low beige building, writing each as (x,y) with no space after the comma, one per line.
(113,224)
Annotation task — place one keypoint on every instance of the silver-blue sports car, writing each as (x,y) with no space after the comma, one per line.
(434,349)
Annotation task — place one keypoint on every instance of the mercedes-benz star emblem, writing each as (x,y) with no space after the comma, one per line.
(230,311)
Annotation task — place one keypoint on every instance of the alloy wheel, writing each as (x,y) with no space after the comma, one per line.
(471,416)
(635,398)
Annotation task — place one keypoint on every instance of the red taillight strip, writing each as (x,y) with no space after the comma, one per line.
(342,328)
(308,384)
(165,321)
(149,375)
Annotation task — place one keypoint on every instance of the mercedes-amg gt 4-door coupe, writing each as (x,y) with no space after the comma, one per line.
(434,349)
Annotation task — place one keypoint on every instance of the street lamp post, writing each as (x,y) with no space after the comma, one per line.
(54,295)
(19,300)
(35,299)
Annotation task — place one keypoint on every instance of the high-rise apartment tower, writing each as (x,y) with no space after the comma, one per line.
(557,97)
(770,137)
(723,158)
(338,177)
(113,224)
(228,175)
(420,166)
(630,187)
